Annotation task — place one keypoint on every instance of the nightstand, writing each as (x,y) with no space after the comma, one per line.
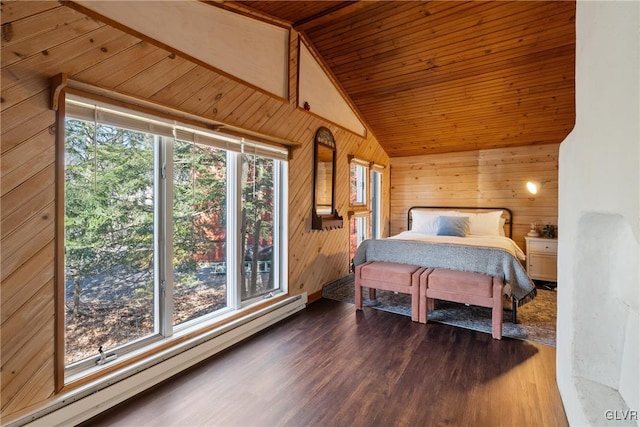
(542,258)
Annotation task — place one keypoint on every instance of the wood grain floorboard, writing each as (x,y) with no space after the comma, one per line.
(331,366)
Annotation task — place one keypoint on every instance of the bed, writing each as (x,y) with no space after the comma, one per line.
(476,240)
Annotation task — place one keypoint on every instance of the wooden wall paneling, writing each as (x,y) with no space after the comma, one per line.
(275,113)
(38,386)
(37,161)
(14,119)
(305,130)
(249,115)
(39,320)
(16,372)
(13,158)
(270,108)
(233,99)
(196,87)
(41,32)
(117,69)
(17,93)
(156,77)
(24,325)
(211,97)
(299,195)
(13,11)
(26,209)
(74,55)
(28,154)
(236,114)
(18,288)
(30,126)
(14,199)
(190,84)
(27,240)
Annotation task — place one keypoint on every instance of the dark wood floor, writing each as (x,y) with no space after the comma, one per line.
(331,366)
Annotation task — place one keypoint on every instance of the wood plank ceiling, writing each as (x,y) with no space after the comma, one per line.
(445,76)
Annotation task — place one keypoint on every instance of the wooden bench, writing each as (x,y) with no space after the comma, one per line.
(462,287)
(389,276)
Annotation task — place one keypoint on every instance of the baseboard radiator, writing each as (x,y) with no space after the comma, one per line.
(80,405)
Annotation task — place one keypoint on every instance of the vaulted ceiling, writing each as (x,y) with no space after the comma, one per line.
(443,76)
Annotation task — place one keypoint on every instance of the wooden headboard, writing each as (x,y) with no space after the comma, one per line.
(506,214)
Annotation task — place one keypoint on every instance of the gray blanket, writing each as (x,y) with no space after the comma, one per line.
(491,261)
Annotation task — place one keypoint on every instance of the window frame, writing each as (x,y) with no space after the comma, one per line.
(163,167)
(362,170)
(354,224)
(376,172)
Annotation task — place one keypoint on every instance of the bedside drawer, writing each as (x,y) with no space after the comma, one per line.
(550,246)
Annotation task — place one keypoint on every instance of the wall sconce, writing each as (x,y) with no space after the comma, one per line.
(533,187)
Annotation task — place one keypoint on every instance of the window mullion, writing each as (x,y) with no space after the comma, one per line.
(164,237)
(280,224)
(235,260)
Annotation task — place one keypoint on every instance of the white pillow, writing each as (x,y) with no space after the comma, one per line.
(486,224)
(426,221)
(480,224)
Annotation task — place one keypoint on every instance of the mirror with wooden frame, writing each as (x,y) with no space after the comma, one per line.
(324,214)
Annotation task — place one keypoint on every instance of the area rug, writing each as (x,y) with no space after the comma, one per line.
(536,319)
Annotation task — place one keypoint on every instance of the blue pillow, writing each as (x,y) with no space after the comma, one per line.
(453,226)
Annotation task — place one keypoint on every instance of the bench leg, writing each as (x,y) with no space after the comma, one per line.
(496,312)
(358,296)
(425,303)
(415,294)
(358,289)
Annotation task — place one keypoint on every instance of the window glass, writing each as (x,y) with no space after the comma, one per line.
(358,174)
(109,234)
(199,230)
(257,225)
(358,232)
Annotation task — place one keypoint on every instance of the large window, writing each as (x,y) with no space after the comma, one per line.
(365,216)
(358,201)
(166,226)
